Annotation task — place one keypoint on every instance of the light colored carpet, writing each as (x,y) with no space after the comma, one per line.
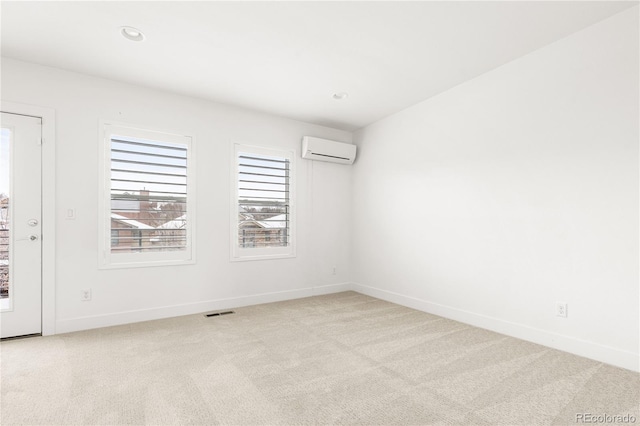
(337,359)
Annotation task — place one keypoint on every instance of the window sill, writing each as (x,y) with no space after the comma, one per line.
(146,264)
(262,257)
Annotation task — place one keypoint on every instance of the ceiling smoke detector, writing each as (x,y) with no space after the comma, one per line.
(132,34)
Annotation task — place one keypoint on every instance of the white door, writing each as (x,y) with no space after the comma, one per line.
(20,226)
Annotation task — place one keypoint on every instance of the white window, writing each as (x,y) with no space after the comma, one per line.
(147,215)
(263,216)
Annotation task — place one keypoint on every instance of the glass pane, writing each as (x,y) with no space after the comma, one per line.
(263,201)
(4,212)
(148,195)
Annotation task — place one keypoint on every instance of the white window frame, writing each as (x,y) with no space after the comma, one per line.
(259,253)
(109,260)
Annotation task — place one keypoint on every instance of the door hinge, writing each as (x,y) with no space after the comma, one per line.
(40,141)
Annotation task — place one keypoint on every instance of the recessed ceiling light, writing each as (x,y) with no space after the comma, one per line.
(132,34)
(340,96)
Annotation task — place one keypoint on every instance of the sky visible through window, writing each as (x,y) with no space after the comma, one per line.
(156,175)
(263,186)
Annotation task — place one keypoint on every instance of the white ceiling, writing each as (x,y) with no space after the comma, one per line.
(289,58)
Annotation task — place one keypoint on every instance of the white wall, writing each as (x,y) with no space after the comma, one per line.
(493,200)
(126,295)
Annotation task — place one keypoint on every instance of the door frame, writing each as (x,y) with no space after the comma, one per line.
(48,190)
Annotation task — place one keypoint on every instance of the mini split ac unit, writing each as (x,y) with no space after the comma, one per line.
(326,150)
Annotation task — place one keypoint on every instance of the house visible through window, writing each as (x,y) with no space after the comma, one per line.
(148,196)
(264,201)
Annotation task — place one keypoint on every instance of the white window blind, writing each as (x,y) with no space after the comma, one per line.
(148,196)
(264,202)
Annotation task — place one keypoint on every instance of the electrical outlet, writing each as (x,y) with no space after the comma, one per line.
(85,295)
(561,309)
(333,271)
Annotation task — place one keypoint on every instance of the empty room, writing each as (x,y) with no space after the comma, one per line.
(340,212)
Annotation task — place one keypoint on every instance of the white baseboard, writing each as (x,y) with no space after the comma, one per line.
(128,317)
(332,288)
(605,354)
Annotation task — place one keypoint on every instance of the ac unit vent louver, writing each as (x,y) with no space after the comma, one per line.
(217,314)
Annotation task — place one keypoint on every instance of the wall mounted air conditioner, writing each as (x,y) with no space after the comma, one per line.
(326,150)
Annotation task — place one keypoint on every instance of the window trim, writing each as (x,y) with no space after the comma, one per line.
(245,254)
(108,260)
